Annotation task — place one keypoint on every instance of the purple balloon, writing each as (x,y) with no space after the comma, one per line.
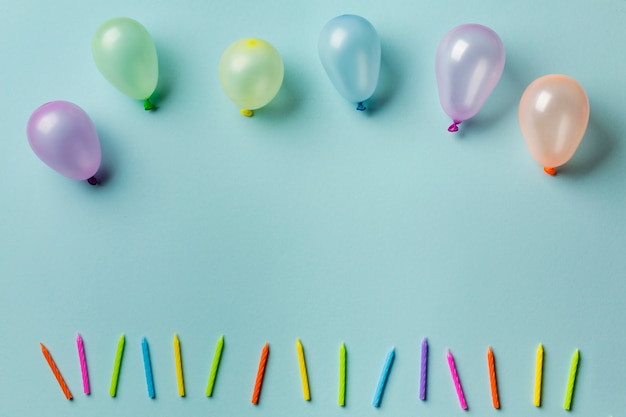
(63,136)
(470,61)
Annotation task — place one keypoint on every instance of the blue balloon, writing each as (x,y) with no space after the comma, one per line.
(349,49)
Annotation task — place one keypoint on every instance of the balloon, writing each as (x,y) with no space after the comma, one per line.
(349,49)
(553,116)
(63,136)
(251,72)
(125,54)
(470,60)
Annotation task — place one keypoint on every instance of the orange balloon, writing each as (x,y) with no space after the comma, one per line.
(553,116)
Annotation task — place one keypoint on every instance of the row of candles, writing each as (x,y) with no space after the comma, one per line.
(380,388)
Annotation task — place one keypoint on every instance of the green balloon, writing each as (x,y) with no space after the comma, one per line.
(251,72)
(125,54)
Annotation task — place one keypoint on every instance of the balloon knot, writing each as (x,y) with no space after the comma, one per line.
(247,113)
(92,181)
(454,126)
(148,105)
(550,171)
(360,106)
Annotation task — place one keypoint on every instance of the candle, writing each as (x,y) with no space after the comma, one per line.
(179,367)
(384,375)
(457,381)
(147,365)
(260,373)
(83,363)
(56,372)
(117,365)
(342,375)
(303,374)
(214,367)
(424,370)
(492,378)
(571,381)
(538,376)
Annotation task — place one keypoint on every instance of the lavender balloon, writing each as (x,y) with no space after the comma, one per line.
(63,136)
(470,61)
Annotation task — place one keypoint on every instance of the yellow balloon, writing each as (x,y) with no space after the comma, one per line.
(553,116)
(251,72)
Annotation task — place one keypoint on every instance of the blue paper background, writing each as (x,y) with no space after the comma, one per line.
(310,219)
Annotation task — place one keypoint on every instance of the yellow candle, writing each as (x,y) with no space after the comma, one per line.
(179,367)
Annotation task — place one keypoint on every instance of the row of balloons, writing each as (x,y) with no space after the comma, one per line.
(553,111)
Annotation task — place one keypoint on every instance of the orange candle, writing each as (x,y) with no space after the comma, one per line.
(56,372)
(260,374)
(493,379)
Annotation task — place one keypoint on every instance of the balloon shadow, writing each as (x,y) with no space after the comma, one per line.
(596,146)
(109,157)
(286,101)
(389,80)
(504,98)
(166,75)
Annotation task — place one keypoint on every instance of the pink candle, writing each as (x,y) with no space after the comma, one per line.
(457,381)
(83,363)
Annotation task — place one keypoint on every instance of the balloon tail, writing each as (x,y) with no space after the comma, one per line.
(148,105)
(92,181)
(454,126)
(247,113)
(360,106)
(550,171)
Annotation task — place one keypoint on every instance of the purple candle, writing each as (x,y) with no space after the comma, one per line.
(424,370)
